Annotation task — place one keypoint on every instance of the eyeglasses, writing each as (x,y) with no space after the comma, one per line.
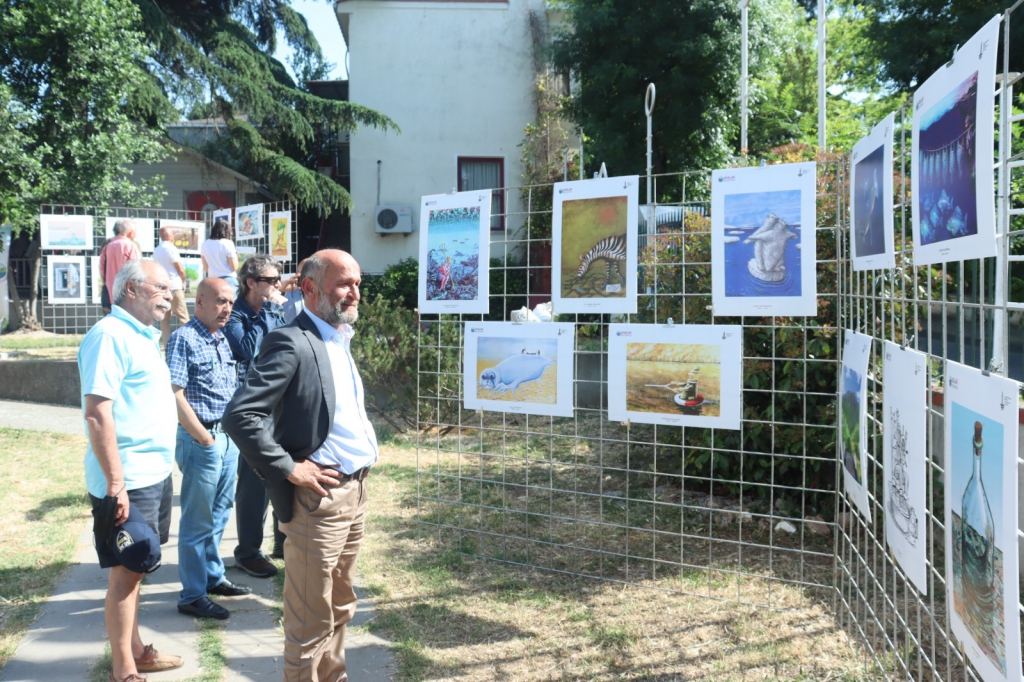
(268,280)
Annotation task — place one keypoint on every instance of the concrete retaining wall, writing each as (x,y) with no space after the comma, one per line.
(41,381)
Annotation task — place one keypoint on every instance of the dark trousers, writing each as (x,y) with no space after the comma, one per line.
(251,502)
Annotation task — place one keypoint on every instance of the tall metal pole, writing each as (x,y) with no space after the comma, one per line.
(743,78)
(821,74)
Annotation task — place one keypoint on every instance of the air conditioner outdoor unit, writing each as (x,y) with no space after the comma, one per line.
(393,220)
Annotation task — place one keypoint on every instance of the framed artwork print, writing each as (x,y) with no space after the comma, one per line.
(65,279)
(193,275)
(455,233)
(186,235)
(249,222)
(280,235)
(70,232)
(871,209)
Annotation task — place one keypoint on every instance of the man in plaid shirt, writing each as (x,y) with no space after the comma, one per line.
(203,378)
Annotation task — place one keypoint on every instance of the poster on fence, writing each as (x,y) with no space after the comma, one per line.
(186,235)
(221,213)
(981,431)
(69,232)
(145,230)
(280,235)
(594,245)
(249,222)
(679,375)
(95,280)
(521,368)
(904,432)
(762,240)
(952,186)
(193,275)
(65,279)
(853,393)
(455,234)
(871,214)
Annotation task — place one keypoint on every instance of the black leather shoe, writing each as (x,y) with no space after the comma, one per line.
(226,588)
(204,608)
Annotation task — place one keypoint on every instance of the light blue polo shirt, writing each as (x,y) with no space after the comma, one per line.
(120,359)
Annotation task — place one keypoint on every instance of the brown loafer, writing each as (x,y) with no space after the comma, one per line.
(152,661)
(130,677)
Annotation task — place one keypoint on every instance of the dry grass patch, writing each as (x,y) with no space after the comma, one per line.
(451,616)
(43,505)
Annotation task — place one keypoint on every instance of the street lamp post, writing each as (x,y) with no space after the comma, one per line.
(743,4)
(821,74)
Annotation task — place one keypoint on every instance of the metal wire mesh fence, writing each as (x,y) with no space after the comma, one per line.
(691,510)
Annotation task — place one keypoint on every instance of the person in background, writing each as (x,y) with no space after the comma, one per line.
(220,259)
(129,415)
(203,378)
(256,313)
(301,422)
(293,295)
(167,255)
(116,253)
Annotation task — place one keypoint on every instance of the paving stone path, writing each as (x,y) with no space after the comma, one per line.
(69,637)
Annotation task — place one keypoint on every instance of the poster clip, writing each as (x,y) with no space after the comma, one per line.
(626,424)
(762,164)
(671,323)
(518,318)
(955,50)
(907,342)
(603,173)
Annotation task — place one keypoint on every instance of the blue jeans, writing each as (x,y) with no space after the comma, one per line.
(207,495)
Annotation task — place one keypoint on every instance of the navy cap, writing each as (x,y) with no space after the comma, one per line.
(135,545)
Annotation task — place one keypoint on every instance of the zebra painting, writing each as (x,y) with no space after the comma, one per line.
(610,249)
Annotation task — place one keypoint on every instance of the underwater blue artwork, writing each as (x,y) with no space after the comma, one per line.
(453,254)
(869,232)
(946,165)
(762,244)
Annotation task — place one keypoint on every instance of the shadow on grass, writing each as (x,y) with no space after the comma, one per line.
(57,504)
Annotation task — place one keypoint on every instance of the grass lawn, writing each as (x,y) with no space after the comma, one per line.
(453,617)
(43,505)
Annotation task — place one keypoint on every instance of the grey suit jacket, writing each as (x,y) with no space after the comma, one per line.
(285,409)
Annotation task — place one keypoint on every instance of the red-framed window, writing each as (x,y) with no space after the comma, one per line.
(485,172)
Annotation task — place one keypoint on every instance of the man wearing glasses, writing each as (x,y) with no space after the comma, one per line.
(257,312)
(130,420)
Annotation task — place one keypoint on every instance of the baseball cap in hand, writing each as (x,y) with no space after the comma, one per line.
(135,545)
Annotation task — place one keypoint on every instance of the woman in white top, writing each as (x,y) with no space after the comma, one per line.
(218,253)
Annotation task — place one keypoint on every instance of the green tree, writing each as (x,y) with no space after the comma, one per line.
(216,59)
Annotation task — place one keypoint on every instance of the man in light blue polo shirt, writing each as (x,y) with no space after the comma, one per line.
(131,419)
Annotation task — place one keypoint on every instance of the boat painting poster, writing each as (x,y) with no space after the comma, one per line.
(871,209)
(69,232)
(763,241)
(980,426)
(904,431)
(683,375)
(952,186)
(455,234)
(852,409)
(520,368)
(594,245)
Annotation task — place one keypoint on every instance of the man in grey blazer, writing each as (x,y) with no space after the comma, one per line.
(300,422)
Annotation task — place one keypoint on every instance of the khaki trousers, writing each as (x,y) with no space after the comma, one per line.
(320,552)
(180,311)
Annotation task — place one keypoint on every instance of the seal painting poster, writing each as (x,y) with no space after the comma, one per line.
(249,222)
(683,375)
(65,280)
(68,232)
(853,393)
(522,368)
(871,211)
(455,234)
(594,245)
(952,186)
(763,241)
(904,432)
(280,235)
(145,228)
(981,429)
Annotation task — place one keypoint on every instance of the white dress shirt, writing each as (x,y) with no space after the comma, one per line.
(351,444)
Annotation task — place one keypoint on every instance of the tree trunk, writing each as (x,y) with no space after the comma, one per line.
(28,312)
(14,315)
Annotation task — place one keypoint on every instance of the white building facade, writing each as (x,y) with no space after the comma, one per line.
(457,77)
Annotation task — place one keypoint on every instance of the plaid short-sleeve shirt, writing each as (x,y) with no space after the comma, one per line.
(202,364)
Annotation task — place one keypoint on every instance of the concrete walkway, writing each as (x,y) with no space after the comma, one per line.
(68,638)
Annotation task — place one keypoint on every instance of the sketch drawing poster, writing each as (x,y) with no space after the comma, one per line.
(853,393)
(455,233)
(981,519)
(594,245)
(145,228)
(684,375)
(186,235)
(249,222)
(953,140)
(762,240)
(871,211)
(905,383)
(65,280)
(523,368)
(280,235)
(95,280)
(71,232)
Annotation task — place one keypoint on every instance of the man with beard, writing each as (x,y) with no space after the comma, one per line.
(300,421)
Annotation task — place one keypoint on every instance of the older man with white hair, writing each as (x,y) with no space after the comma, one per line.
(131,420)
